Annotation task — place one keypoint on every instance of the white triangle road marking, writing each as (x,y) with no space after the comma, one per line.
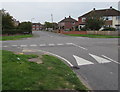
(80,61)
(99,59)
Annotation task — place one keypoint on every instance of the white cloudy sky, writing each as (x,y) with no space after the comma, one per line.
(41,11)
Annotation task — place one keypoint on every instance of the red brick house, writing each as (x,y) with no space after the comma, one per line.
(37,26)
(67,23)
(111,16)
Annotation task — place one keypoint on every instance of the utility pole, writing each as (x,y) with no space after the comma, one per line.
(52,20)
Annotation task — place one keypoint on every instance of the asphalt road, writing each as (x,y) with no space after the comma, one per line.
(96,59)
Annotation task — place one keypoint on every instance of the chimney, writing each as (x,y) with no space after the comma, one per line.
(94,9)
(69,16)
(65,17)
(110,7)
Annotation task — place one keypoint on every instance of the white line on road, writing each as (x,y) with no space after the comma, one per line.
(79,46)
(23,45)
(5,46)
(33,45)
(69,43)
(99,59)
(51,44)
(42,45)
(60,44)
(14,45)
(80,61)
(110,59)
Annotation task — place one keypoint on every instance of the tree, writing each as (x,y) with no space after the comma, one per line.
(94,22)
(48,25)
(7,20)
(25,27)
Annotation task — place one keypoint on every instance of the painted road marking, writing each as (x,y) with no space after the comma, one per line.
(23,45)
(33,45)
(80,61)
(51,44)
(5,46)
(110,59)
(60,44)
(14,45)
(69,43)
(80,46)
(42,45)
(99,59)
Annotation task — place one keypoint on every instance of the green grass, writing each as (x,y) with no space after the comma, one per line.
(53,74)
(16,37)
(93,36)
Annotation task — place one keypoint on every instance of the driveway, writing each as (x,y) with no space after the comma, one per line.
(95,60)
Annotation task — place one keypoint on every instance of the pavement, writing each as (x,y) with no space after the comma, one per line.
(94,60)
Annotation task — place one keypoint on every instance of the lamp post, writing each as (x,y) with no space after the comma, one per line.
(52,20)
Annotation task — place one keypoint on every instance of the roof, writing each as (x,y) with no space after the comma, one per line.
(69,19)
(104,12)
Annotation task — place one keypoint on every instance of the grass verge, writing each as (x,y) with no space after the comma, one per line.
(16,37)
(53,74)
(93,36)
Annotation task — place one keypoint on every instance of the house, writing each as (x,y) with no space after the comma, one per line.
(111,17)
(37,26)
(67,23)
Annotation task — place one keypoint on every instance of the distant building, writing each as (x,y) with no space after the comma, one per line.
(37,26)
(111,16)
(67,23)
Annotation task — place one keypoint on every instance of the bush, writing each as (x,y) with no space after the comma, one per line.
(109,29)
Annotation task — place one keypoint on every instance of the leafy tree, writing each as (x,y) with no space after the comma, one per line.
(25,27)
(7,20)
(94,22)
(48,25)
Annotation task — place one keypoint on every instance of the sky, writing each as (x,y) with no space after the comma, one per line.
(41,11)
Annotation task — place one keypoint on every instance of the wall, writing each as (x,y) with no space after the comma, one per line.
(112,33)
(115,22)
(73,32)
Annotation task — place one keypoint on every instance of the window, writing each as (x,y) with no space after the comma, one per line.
(33,25)
(83,19)
(37,25)
(108,18)
(118,18)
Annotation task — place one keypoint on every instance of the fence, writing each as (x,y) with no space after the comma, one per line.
(112,33)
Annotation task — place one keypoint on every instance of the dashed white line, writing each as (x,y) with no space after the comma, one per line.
(23,45)
(60,44)
(110,59)
(33,45)
(14,45)
(5,46)
(42,45)
(69,43)
(51,44)
(80,46)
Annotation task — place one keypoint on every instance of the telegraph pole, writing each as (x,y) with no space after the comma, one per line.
(52,20)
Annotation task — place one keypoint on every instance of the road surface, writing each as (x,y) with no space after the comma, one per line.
(95,59)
